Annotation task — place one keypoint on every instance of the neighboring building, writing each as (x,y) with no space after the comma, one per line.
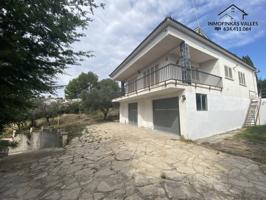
(179,81)
(70,101)
(49,100)
(261,120)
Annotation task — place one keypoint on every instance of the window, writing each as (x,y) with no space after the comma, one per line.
(242,79)
(228,72)
(201,101)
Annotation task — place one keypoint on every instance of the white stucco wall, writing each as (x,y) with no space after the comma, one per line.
(145,115)
(123,112)
(262,113)
(224,113)
(232,87)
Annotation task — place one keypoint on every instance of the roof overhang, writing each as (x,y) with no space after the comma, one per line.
(159,29)
(158,42)
(155,50)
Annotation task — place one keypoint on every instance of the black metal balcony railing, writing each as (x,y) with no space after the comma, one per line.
(173,72)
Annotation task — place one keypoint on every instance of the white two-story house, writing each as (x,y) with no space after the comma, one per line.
(179,81)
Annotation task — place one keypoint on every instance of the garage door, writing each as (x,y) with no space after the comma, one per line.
(133,113)
(166,115)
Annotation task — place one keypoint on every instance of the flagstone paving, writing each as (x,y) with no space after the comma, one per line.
(115,161)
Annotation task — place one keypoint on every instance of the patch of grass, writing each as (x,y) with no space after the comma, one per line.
(74,124)
(248,142)
(253,134)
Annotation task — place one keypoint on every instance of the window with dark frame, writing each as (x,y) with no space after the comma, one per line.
(201,101)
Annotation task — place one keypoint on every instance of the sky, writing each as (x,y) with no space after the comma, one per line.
(118,28)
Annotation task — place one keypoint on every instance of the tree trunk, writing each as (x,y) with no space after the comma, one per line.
(19,125)
(32,122)
(48,121)
(105,113)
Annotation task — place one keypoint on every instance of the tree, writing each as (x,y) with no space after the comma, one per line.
(36,38)
(83,82)
(72,108)
(248,60)
(44,109)
(20,119)
(262,87)
(36,111)
(100,98)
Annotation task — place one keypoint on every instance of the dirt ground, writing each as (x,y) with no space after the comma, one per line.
(116,161)
(233,143)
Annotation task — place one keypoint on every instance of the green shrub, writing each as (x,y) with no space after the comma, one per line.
(6,143)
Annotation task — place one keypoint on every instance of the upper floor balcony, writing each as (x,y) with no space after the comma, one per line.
(166,64)
(171,74)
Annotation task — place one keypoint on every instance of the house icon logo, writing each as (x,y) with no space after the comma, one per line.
(232,19)
(232,13)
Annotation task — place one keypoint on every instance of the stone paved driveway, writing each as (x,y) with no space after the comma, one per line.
(114,161)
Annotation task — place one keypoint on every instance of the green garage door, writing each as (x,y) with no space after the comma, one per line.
(166,115)
(133,113)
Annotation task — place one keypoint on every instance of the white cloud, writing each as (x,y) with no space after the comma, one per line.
(122,25)
(236,39)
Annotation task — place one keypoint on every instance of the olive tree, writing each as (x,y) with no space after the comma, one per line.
(100,97)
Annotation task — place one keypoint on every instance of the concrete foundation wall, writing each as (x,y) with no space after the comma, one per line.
(38,140)
(41,140)
(22,146)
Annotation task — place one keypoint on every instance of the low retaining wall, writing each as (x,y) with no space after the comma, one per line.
(47,138)
(262,113)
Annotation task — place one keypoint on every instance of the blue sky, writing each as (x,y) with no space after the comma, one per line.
(123,24)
